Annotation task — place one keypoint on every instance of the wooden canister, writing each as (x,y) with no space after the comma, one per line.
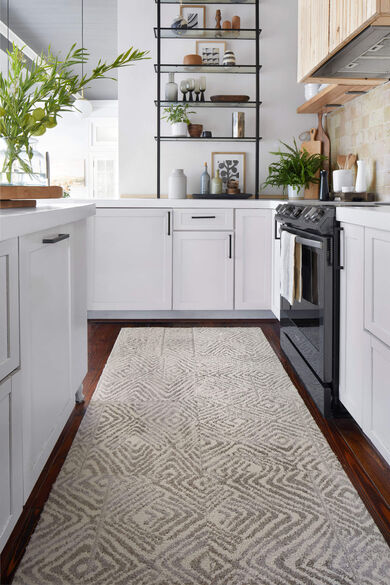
(236,22)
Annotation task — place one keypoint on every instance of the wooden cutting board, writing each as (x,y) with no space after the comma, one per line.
(324,139)
(313,146)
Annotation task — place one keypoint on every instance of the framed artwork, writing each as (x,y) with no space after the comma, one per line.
(195,15)
(212,52)
(231,166)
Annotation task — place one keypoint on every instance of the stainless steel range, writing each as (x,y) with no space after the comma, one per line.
(309,333)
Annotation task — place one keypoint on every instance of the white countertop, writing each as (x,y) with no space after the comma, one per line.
(190,203)
(370,217)
(21,221)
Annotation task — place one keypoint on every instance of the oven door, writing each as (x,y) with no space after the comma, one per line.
(309,324)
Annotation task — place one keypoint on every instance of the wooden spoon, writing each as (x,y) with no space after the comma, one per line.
(341,160)
(351,160)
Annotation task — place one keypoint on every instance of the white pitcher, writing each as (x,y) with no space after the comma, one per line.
(361,177)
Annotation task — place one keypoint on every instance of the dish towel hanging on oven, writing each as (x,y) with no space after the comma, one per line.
(291,268)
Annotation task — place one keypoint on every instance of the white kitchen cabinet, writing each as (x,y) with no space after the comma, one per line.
(203,270)
(377,396)
(9,308)
(377,284)
(131,260)
(253,259)
(353,348)
(45,328)
(11,474)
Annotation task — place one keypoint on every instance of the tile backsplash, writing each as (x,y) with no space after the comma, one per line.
(362,127)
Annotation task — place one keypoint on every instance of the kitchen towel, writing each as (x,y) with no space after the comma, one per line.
(291,268)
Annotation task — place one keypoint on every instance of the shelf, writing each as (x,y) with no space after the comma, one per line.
(335,96)
(244,34)
(234,105)
(247,69)
(213,139)
(238,2)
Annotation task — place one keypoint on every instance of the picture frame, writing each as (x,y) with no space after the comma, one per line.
(229,170)
(212,52)
(194,14)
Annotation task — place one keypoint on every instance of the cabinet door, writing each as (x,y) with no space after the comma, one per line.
(352,339)
(48,398)
(203,270)
(275,301)
(253,257)
(346,17)
(9,307)
(377,397)
(313,35)
(131,263)
(11,478)
(377,283)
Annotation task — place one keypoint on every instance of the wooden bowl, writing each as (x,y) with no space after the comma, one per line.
(229,98)
(195,130)
(192,60)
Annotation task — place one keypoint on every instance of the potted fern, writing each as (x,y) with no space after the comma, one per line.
(32,98)
(177,116)
(295,170)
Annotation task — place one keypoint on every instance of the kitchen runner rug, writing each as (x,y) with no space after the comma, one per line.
(197,463)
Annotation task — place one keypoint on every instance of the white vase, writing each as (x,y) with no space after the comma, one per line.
(361,177)
(311,89)
(179,129)
(294,192)
(177,185)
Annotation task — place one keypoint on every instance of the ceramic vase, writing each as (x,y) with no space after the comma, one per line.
(177,185)
(342,178)
(361,177)
(179,23)
(179,129)
(229,59)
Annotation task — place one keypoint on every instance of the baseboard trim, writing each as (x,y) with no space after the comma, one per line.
(152,315)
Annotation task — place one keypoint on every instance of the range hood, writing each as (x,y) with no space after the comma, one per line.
(367,56)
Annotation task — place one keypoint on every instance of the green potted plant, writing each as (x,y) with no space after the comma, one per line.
(177,116)
(32,98)
(296,169)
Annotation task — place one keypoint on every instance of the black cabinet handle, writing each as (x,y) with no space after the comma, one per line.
(276,231)
(203,217)
(169,223)
(55,239)
(230,246)
(342,237)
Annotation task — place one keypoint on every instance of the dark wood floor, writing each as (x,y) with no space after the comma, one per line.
(367,470)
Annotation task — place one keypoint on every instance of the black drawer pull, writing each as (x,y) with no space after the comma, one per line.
(230,246)
(203,217)
(169,223)
(55,239)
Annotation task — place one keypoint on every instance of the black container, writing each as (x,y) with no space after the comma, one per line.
(324,186)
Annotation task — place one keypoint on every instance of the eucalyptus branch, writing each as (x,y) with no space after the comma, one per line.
(32,97)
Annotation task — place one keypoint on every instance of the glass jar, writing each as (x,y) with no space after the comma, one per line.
(17,168)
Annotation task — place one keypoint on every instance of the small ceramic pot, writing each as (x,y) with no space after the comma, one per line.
(195,130)
(207,134)
(342,178)
(294,192)
(192,60)
(179,129)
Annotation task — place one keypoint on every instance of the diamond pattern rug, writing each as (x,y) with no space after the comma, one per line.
(197,463)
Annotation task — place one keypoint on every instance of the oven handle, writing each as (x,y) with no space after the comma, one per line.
(304,241)
(310,243)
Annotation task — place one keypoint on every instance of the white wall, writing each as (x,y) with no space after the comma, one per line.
(280,94)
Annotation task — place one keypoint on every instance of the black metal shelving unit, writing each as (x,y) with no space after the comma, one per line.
(162,33)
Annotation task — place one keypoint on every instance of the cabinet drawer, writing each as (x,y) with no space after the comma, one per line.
(9,309)
(203,219)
